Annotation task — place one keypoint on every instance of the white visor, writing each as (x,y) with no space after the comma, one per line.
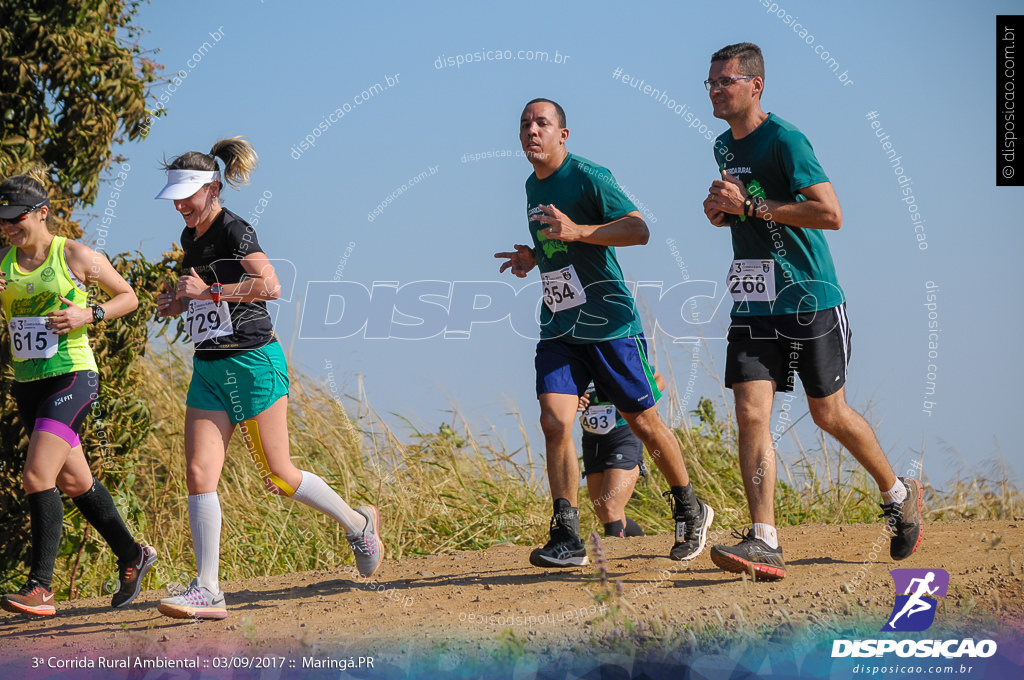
(183,183)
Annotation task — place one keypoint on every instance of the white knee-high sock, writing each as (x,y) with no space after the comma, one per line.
(205,519)
(315,493)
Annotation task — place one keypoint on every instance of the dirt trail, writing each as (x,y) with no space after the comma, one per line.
(464,601)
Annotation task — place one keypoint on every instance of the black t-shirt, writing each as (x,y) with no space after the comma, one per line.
(216,257)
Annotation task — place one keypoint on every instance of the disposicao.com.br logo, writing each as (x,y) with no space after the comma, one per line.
(914,611)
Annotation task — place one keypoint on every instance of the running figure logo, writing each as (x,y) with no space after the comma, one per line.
(915,609)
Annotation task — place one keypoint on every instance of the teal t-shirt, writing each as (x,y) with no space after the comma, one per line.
(588,194)
(776,161)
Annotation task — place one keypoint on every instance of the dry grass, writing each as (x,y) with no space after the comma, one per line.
(436,491)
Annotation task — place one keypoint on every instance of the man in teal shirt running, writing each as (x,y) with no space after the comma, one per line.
(590,329)
(789,313)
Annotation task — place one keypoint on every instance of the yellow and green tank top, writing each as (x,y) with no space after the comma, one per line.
(38,353)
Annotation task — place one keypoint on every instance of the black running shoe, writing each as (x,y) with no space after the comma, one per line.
(565,548)
(904,521)
(691,530)
(751,556)
(131,575)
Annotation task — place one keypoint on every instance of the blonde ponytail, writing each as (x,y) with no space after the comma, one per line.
(239,159)
(236,153)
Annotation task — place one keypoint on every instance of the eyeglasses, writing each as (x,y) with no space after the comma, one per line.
(724,82)
(23,215)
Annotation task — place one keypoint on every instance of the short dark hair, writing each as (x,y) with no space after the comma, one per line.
(558,109)
(749,55)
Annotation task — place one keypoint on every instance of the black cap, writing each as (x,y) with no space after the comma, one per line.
(15,205)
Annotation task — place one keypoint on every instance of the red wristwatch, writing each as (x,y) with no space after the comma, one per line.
(215,291)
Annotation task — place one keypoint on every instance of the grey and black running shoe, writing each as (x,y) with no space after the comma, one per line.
(131,575)
(692,526)
(565,548)
(904,521)
(752,556)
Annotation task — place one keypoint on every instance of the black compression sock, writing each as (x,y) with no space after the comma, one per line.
(562,505)
(47,512)
(568,516)
(97,507)
(632,529)
(614,529)
(685,501)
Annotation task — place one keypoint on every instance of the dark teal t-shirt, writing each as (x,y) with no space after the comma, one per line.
(588,194)
(776,161)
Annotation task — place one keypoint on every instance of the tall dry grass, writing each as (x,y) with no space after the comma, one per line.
(436,491)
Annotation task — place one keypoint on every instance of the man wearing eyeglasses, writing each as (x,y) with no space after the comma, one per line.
(789,313)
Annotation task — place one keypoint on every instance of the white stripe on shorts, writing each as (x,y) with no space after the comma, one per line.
(844,330)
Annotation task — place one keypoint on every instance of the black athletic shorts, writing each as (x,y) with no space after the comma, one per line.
(57,405)
(814,345)
(619,449)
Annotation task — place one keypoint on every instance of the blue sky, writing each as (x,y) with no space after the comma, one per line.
(928,70)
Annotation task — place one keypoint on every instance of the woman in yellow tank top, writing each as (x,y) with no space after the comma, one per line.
(43,290)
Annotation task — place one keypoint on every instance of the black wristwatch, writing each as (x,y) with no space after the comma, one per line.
(97,313)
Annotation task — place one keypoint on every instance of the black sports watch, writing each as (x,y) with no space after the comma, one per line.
(97,313)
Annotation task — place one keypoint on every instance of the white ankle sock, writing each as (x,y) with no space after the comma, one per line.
(205,519)
(315,493)
(767,533)
(897,494)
